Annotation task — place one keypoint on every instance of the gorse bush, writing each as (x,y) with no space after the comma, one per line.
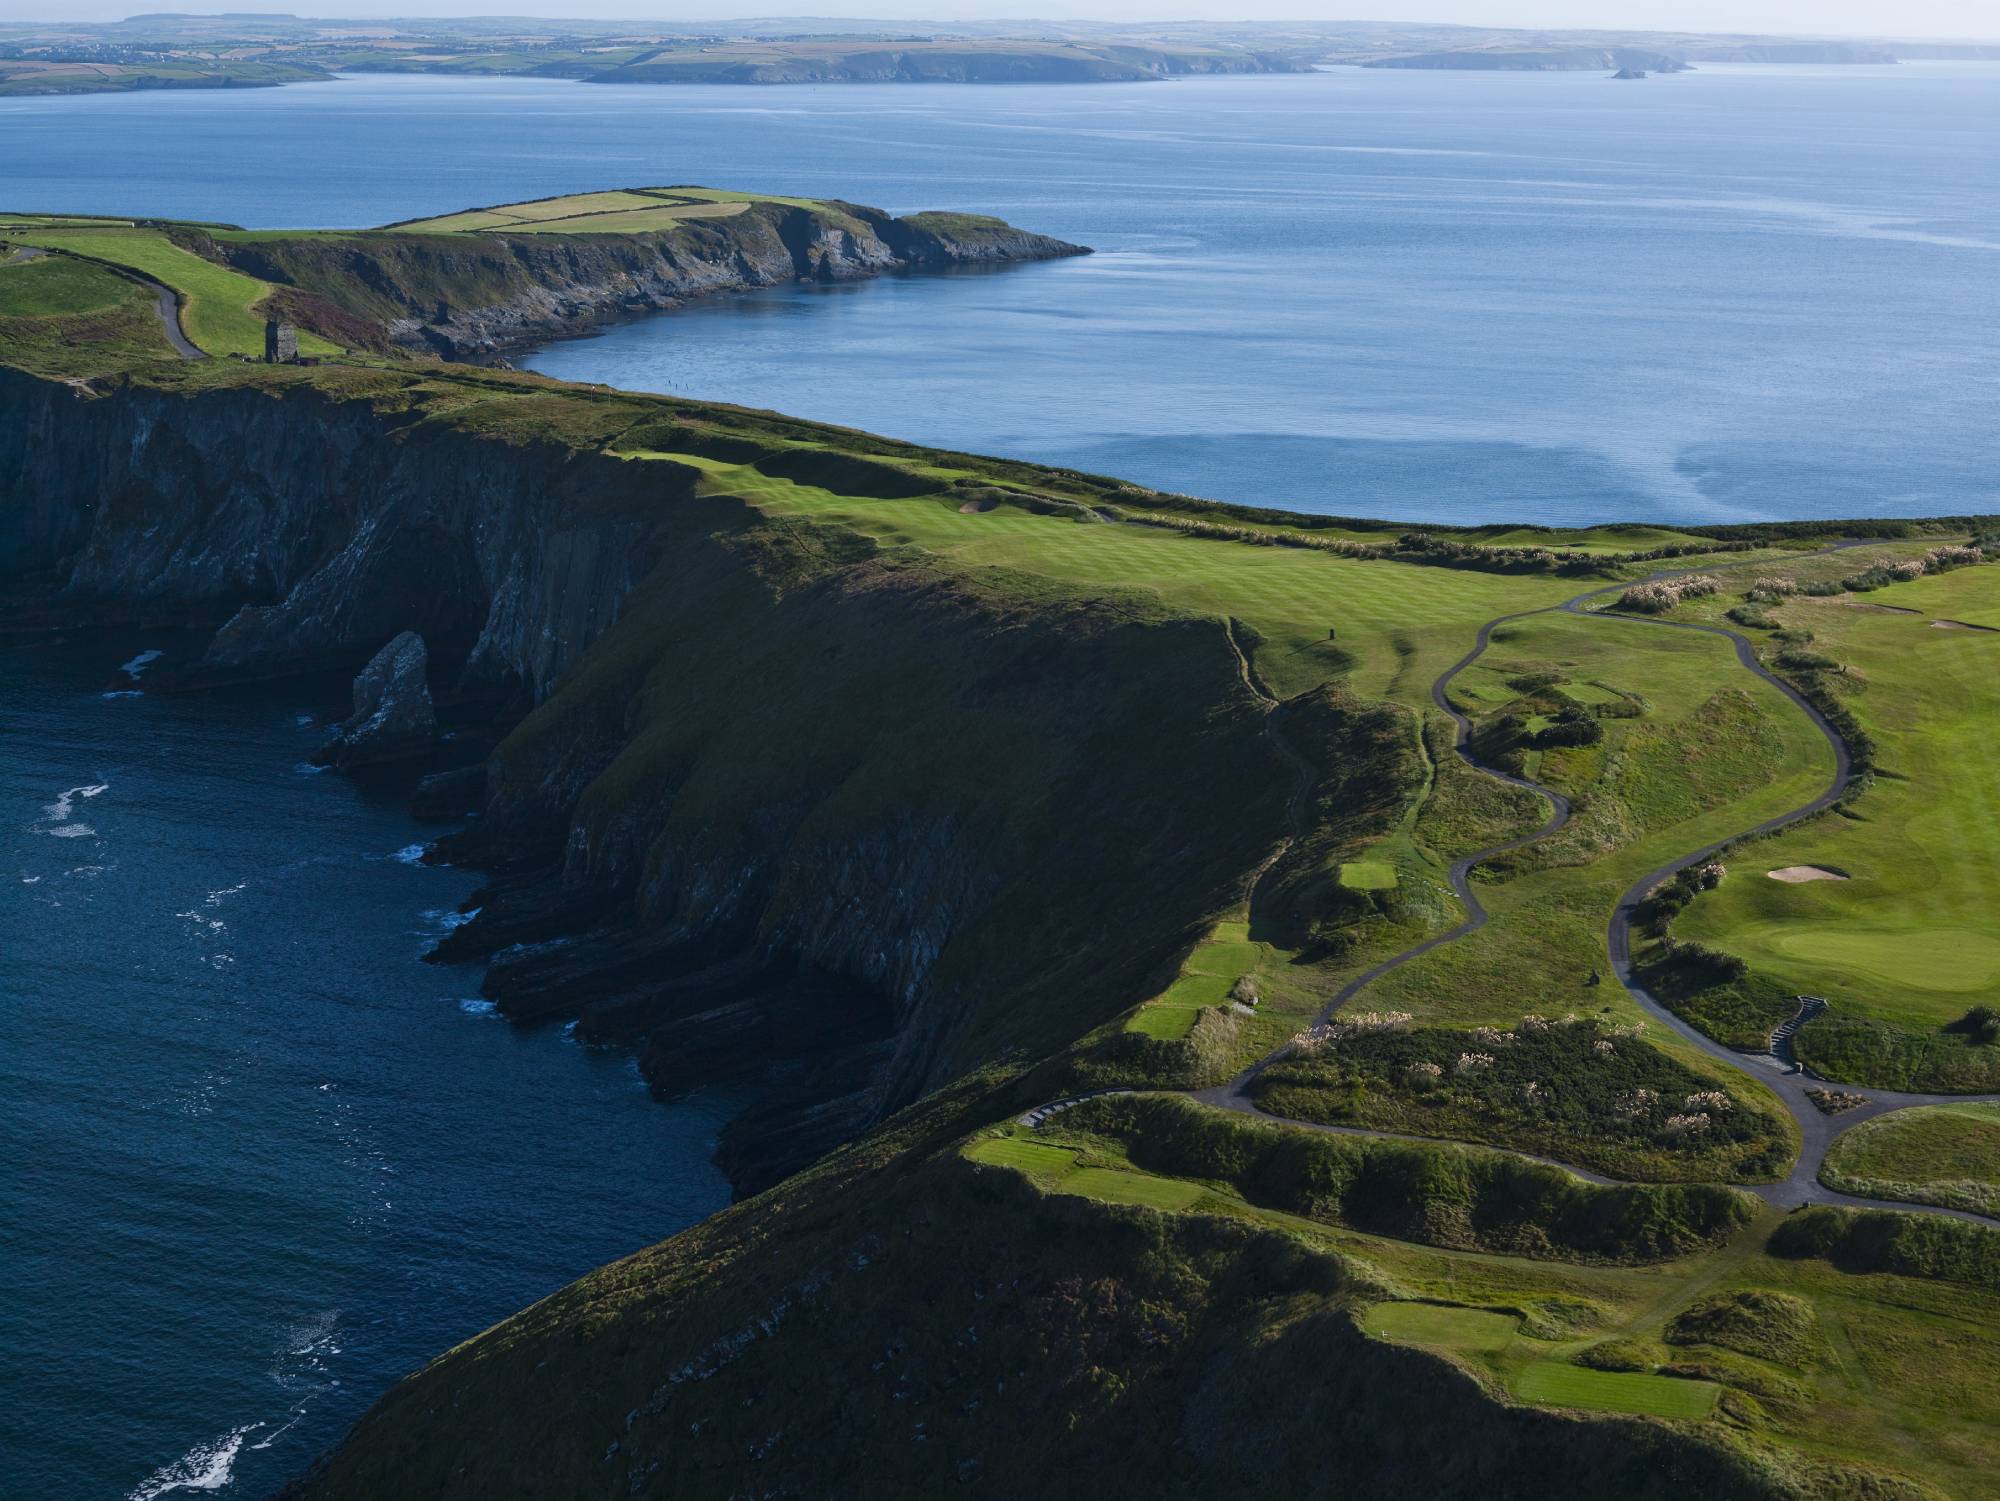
(1880,1240)
(1661,595)
(1699,959)
(1981,1023)
(1574,1088)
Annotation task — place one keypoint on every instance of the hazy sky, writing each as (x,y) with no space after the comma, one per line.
(1978,18)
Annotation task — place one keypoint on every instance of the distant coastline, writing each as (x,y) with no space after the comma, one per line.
(177,51)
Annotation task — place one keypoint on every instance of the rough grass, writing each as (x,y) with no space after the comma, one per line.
(1436,1195)
(1943,1154)
(1862,1241)
(1572,1091)
(1778,1327)
(55,286)
(1074,1257)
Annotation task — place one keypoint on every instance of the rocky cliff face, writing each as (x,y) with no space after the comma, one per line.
(781,806)
(476,296)
(315,529)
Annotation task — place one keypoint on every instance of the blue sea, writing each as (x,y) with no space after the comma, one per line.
(1734,293)
(257,1161)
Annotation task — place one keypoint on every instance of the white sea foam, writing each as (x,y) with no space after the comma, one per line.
(138,665)
(123,693)
(307,769)
(410,854)
(214,898)
(70,831)
(205,1467)
(298,1366)
(445,918)
(479,1008)
(65,803)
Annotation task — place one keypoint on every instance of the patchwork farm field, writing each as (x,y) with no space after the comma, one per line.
(622,211)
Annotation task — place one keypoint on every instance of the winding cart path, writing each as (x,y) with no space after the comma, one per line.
(1817,1130)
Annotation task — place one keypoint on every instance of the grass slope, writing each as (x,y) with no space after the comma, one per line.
(1945,1154)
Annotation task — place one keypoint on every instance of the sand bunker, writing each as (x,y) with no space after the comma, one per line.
(1793,874)
(978,507)
(1958,625)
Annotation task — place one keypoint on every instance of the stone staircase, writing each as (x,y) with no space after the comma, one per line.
(1781,1039)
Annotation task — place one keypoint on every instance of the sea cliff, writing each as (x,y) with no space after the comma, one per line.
(472,297)
(763,804)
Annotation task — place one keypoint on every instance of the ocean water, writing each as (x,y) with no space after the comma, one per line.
(256,1161)
(1736,293)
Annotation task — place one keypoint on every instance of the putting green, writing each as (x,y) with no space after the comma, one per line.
(1471,1329)
(1026,1156)
(1206,979)
(1055,1168)
(1553,1384)
(1368,875)
(1142,1189)
(1952,960)
(1589,693)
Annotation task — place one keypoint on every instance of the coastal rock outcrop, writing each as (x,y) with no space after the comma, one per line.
(393,714)
(475,297)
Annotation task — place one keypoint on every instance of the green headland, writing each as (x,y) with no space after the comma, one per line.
(1258,999)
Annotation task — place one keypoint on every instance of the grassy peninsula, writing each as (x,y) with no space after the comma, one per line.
(1228,994)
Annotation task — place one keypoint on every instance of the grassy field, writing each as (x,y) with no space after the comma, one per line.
(219,306)
(1553,1384)
(1398,627)
(54,309)
(621,211)
(1908,941)
(55,287)
(1943,1154)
